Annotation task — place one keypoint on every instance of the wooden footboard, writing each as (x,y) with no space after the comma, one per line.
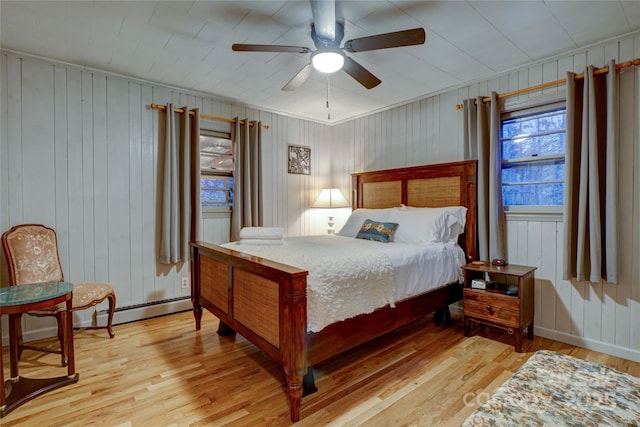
(264,301)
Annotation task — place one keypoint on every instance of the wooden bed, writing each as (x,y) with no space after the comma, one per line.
(266,301)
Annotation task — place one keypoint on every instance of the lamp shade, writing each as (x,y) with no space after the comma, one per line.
(330,198)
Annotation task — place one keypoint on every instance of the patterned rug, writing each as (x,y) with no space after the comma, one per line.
(553,389)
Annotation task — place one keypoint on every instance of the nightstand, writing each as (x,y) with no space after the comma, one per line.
(507,301)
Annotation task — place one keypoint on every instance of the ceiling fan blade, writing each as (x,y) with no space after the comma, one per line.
(238,47)
(299,78)
(358,72)
(384,41)
(324,18)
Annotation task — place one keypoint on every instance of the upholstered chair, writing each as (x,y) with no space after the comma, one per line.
(31,251)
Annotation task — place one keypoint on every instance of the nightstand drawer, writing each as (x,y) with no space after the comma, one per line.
(494,313)
(491,298)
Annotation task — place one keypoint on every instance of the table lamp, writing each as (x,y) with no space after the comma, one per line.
(330,198)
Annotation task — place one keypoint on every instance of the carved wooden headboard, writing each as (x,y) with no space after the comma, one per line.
(444,184)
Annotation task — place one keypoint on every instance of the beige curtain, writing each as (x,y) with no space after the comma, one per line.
(247,176)
(181,215)
(591,187)
(482,142)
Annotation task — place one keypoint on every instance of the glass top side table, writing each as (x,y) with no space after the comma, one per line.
(14,301)
(33,293)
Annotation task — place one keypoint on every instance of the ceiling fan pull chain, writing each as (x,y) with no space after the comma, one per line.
(328,92)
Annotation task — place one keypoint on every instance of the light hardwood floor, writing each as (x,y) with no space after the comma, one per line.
(161,372)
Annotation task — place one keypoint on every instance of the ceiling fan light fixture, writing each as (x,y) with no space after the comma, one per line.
(327,61)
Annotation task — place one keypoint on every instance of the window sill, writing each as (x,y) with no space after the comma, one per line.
(210,214)
(532,215)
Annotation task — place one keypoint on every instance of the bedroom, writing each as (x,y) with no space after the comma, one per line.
(105,215)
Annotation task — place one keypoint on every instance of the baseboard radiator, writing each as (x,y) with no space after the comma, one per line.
(122,315)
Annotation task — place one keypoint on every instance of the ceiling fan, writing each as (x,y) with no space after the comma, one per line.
(327,34)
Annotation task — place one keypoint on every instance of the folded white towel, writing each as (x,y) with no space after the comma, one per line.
(261,242)
(262,233)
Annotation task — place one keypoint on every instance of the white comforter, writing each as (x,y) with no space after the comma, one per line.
(349,276)
(337,267)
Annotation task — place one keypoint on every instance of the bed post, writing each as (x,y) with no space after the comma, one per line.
(442,316)
(293,299)
(195,285)
(471,237)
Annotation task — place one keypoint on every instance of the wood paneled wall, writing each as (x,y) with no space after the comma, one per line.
(603,317)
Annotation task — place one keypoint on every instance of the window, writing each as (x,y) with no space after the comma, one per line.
(216,171)
(216,190)
(533,157)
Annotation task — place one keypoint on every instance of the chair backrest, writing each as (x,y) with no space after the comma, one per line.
(32,256)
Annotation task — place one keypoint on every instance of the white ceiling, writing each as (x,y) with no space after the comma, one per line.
(187,44)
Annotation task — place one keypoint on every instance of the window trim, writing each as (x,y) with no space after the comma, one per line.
(534,209)
(527,107)
(540,213)
(543,102)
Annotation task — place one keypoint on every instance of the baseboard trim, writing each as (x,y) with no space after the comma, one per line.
(589,344)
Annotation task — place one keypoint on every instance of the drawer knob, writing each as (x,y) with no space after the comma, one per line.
(488,308)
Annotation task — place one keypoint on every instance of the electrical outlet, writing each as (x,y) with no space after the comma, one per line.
(185,283)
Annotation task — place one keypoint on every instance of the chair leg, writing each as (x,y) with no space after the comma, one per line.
(19,342)
(112,309)
(15,343)
(61,318)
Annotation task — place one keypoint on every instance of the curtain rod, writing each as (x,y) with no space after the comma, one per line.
(602,70)
(203,115)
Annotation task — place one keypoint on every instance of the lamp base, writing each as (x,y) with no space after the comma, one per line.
(331,223)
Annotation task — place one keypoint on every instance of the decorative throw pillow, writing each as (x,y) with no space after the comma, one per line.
(378,231)
(354,222)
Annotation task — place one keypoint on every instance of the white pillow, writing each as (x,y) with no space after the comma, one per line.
(357,218)
(457,228)
(429,225)
(420,225)
(458,212)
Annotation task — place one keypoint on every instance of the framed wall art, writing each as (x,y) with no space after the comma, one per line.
(299,160)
